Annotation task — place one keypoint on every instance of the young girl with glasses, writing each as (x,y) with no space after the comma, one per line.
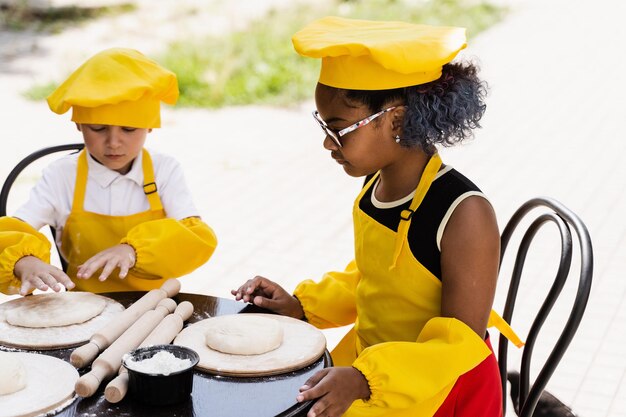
(420,289)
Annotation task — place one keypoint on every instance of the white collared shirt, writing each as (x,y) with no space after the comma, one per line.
(108,192)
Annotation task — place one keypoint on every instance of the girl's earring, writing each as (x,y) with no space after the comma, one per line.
(397,138)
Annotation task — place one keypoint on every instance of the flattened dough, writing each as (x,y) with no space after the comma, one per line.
(55,309)
(244,334)
(12,373)
(302,345)
(49,386)
(34,338)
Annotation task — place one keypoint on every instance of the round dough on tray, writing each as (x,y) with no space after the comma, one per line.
(243,334)
(12,374)
(55,309)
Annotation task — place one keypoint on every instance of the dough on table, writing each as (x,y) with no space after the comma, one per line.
(302,345)
(12,374)
(55,309)
(242,334)
(49,386)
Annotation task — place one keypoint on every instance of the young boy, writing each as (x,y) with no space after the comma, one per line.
(114,206)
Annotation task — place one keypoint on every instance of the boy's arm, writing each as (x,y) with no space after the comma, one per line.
(17,240)
(171,248)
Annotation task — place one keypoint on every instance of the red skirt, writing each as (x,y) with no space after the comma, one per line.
(476,393)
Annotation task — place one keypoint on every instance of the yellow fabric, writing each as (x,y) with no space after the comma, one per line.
(410,355)
(430,171)
(503,327)
(166,248)
(118,87)
(17,240)
(377,55)
(337,303)
(415,378)
(188,244)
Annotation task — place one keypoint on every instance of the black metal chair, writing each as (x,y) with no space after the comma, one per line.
(566,221)
(8,183)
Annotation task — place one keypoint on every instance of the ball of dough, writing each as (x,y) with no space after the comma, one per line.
(241,334)
(55,309)
(12,374)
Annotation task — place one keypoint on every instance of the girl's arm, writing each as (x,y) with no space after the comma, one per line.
(332,301)
(470,255)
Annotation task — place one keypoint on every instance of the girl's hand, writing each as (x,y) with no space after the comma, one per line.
(36,274)
(122,256)
(336,389)
(264,293)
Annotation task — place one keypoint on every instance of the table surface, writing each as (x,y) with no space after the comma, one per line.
(213,395)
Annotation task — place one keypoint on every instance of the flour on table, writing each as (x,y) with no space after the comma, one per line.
(162,363)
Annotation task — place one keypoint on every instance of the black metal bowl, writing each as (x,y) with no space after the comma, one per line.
(157,388)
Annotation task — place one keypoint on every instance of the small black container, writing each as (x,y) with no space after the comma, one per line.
(158,389)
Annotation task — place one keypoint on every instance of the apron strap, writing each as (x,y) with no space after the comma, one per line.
(81,182)
(149,185)
(504,328)
(431,170)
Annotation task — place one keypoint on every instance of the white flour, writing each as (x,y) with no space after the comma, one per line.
(162,363)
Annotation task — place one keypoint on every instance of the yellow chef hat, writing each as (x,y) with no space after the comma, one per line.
(118,87)
(371,55)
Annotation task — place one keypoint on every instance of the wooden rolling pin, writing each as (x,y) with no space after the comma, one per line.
(164,333)
(108,363)
(103,338)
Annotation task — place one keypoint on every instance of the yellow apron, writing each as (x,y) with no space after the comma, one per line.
(398,303)
(86,233)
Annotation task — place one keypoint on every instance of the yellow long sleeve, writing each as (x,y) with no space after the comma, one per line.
(332,301)
(170,248)
(414,379)
(17,240)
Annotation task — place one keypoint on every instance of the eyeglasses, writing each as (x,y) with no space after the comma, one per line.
(336,135)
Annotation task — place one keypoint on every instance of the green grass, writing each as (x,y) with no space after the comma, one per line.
(259,66)
(20,17)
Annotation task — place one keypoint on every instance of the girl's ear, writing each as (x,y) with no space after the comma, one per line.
(397,119)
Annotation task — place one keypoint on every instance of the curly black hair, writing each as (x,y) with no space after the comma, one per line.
(441,112)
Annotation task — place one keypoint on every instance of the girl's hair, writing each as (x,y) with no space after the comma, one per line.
(444,111)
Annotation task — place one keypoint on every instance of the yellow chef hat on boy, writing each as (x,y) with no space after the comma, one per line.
(118,87)
(371,55)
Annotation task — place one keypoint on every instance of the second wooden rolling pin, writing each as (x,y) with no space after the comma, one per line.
(103,338)
(108,363)
(164,333)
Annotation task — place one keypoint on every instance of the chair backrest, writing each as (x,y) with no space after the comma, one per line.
(8,183)
(566,221)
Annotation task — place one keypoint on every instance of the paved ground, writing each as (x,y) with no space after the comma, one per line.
(281,207)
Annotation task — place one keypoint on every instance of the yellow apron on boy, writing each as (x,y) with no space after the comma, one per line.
(86,233)
(410,355)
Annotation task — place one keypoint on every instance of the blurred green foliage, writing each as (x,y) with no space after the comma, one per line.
(20,16)
(258,65)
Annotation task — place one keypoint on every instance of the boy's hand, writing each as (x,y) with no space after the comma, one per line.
(36,274)
(335,389)
(122,256)
(264,293)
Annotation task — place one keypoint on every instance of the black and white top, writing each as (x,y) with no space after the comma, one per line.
(447,191)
